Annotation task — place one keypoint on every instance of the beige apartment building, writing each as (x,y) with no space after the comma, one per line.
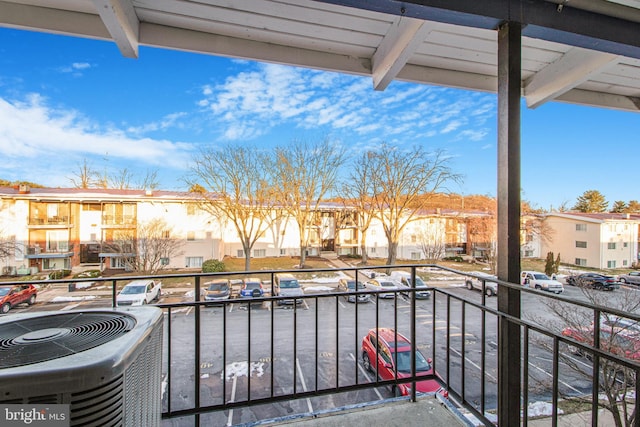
(597,240)
(62,228)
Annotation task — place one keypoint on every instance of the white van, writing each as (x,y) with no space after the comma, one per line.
(288,286)
(403,278)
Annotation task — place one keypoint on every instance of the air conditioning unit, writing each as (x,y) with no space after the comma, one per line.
(105,364)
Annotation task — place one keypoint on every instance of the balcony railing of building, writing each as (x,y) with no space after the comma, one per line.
(245,352)
(62,220)
(119,220)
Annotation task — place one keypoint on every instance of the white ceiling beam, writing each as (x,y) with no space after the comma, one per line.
(401,41)
(122,23)
(50,20)
(601,100)
(232,47)
(572,69)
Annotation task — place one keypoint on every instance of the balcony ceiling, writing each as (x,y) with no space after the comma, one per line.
(579,51)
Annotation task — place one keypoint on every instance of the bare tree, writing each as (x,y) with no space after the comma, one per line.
(403,180)
(146,250)
(618,335)
(239,190)
(83,177)
(9,247)
(358,190)
(431,240)
(305,173)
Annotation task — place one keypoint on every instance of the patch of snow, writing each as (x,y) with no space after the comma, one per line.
(541,409)
(318,288)
(82,285)
(321,280)
(189,294)
(71,299)
(239,369)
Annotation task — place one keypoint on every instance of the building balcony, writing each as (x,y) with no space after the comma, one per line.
(37,252)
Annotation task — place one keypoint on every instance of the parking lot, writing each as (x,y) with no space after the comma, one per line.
(317,345)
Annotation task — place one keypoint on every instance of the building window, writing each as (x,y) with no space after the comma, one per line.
(164,261)
(611,245)
(624,262)
(191,208)
(240,253)
(259,253)
(415,256)
(372,250)
(191,236)
(194,262)
(580,244)
(625,245)
(528,253)
(283,251)
(581,227)
(611,264)
(165,234)
(581,262)
(414,239)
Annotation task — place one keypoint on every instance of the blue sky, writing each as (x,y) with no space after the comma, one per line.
(66,99)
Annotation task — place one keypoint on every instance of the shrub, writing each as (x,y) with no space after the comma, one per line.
(212,266)
(59,274)
(453,258)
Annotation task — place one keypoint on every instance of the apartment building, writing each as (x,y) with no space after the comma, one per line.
(597,240)
(56,228)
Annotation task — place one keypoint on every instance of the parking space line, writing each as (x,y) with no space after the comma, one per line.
(233,398)
(550,375)
(366,374)
(304,384)
(342,304)
(69,307)
(474,365)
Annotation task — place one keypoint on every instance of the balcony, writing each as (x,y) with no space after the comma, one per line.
(50,222)
(59,251)
(259,360)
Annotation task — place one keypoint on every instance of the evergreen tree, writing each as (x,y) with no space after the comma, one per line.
(633,206)
(619,207)
(591,201)
(556,265)
(549,265)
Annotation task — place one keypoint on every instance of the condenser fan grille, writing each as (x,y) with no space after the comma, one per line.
(38,339)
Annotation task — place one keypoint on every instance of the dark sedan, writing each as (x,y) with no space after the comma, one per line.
(597,281)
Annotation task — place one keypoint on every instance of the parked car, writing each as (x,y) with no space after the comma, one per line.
(388,353)
(403,278)
(251,288)
(12,295)
(216,290)
(347,284)
(538,280)
(597,281)
(620,325)
(611,340)
(288,286)
(382,284)
(632,277)
(490,288)
(139,292)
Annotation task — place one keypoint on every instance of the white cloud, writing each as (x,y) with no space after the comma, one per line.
(270,95)
(40,138)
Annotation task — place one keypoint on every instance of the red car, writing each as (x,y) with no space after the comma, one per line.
(13,295)
(616,340)
(389,361)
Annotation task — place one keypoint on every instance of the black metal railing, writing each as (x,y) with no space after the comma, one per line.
(215,351)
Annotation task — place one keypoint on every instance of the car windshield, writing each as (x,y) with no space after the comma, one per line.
(252,285)
(387,284)
(419,282)
(291,283)
(403,359)
(351,284)
(4,291)
(131,290)
(540,276)
(217,287)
